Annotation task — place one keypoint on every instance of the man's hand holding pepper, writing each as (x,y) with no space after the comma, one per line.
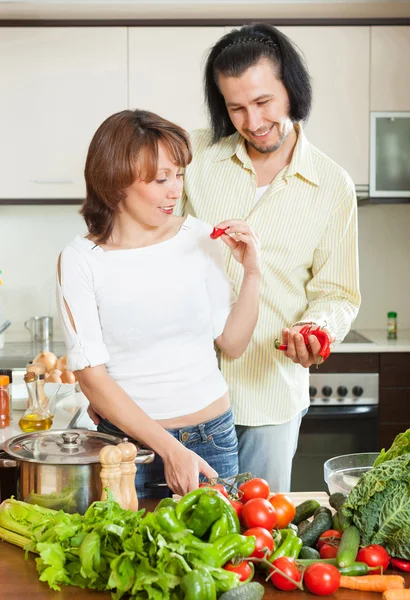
(297,349)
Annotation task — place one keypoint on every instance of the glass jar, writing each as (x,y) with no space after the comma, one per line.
(5,408)
(392,326)
(9,374)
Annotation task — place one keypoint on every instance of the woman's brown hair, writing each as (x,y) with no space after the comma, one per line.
(124,148)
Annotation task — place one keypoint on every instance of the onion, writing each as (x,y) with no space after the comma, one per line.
(68,377)
(54,379)
(46,358)
(38,368)
(56,372)
(62,363)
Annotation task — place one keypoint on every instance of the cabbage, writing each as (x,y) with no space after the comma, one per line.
(380,506)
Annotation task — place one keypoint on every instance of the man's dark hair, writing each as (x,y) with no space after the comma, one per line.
(242,48)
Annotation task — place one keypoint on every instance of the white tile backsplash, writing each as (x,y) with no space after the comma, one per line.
(31,238)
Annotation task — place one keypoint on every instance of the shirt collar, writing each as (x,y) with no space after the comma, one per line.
(302,162)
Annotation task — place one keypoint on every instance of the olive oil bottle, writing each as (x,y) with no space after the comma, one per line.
(35,418)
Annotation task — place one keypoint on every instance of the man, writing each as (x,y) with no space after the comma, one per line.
(256,164)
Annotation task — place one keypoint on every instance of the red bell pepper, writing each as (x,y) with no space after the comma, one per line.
(305,332)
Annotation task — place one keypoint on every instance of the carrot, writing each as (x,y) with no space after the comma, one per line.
(372,583)
(396,595)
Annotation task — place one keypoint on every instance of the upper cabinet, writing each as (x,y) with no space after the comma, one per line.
(61,84)
(390,69)
(338,61)
(166,71)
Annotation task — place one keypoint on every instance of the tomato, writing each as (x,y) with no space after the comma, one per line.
(285,510)
(217,486)
(244,569)
(329,536)
(258,512)
(254,488)
(322,579)
(328,551)
(263,540)
(374,556)
(288,567)
(238,506)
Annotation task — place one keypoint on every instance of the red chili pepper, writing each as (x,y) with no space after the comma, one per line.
(400,563)
(216,233)
(280,346)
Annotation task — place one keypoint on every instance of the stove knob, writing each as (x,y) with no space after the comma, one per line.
(357,390)
(326,399)
(342,390)
(327,391)
(340,399)
(312,390)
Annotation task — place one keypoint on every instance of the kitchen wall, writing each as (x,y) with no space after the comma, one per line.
(32,236)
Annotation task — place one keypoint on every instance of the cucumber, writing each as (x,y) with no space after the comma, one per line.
(321,509)
(247,591)
(336,524)
(336,501)
(348,547)
(302,526)
(309,553)
(305,510)
(314,530)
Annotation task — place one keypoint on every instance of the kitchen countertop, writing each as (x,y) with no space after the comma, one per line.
(19,580)
(17,354)
(378,342)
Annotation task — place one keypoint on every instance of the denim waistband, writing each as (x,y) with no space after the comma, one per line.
(202,430)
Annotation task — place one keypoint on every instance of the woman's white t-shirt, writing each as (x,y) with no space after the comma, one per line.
(151,316)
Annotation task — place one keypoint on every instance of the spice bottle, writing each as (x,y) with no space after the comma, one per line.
(4,401)
(9,374)
(35,418)
(392,326)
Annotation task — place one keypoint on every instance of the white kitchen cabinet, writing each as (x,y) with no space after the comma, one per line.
(59,84)
(338,61)
(390,69)
(166,71)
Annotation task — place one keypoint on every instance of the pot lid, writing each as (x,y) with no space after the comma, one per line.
(61,446)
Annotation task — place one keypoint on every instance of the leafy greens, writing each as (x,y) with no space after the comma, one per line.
(380,506)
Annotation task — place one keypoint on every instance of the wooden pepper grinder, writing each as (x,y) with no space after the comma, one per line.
(128,470)
(110,459)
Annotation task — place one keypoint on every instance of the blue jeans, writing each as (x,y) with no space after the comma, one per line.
(267,451)
(215,441)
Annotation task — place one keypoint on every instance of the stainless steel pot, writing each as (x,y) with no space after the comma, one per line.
(60,469)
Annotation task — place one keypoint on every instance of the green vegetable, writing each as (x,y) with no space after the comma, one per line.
(336,522)
(309,553)
(207,511)
(354,569)
(234,544)
(198,585)
(219,528)
(249,591)
(305,510)
(143,555)
(302,526)
(65,500)
(165,502)
(313,531)
(337,501)
(322,509)
(348,547)
(289,539)
(400,446)
(380,506)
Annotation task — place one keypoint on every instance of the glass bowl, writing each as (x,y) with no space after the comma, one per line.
(343,472)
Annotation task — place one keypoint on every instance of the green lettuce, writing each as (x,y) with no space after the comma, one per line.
(400,445)
(380,506)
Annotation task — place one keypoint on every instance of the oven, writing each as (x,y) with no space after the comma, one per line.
(343,417)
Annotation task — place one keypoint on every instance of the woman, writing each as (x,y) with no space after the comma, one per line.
(143,297)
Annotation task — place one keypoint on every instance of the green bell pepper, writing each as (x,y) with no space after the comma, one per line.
(234,544)
(198,585)
(167,520)
(289,538)
(207,511)
(219,528)
(165,502)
